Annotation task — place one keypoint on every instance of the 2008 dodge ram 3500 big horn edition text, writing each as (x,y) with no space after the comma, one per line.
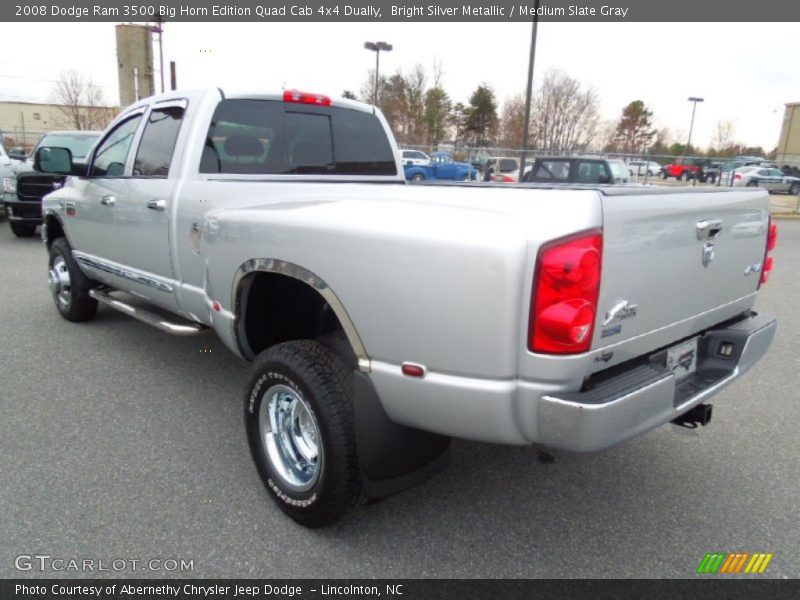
(381,319)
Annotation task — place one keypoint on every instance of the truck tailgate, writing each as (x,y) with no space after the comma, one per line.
(677,261)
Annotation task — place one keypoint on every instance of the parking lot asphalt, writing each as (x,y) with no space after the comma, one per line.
(118,441)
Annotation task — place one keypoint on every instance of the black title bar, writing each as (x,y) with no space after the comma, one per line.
(402,11)
(399,589)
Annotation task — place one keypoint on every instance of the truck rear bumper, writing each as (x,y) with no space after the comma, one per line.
(614,406)
(639,398)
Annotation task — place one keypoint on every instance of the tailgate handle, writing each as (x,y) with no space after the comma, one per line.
(708,229)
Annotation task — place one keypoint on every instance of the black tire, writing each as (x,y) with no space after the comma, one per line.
(465,177)
(649,173)
(315,374)
(794,190)
(418,177)
(684,176)
(79,306)
(22,229)
(752,183)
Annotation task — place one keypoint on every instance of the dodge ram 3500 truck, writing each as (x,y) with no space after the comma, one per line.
(382,318)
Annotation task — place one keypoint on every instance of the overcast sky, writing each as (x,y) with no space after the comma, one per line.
(745,71)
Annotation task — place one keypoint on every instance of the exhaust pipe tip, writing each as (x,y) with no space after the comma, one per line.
(699,415)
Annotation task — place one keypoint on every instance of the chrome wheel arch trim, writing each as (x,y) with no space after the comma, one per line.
(282,267)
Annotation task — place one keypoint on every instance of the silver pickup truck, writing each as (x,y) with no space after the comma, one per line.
(383,318)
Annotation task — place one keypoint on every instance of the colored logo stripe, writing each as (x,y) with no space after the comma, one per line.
(758,564)
(732,563)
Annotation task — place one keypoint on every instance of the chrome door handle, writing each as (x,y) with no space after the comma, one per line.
(157,204)
(108,201)
(708,229)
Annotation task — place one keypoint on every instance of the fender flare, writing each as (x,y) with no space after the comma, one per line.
(289,269)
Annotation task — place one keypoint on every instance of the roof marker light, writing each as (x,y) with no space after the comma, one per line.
(299,97)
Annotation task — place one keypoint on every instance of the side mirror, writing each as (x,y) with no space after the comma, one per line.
(53,160)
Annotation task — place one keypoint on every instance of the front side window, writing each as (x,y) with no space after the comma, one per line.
(111,154)
(590,172)
(158,142)
(264,137)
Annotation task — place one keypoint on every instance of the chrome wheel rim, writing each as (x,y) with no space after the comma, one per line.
(58,280)
(290,434)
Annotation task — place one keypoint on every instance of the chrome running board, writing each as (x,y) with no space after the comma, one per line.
(145,316)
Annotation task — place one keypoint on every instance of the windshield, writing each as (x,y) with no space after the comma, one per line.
(79,145)
(618,169)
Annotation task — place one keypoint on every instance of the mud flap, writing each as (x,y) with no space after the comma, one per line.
(392,457)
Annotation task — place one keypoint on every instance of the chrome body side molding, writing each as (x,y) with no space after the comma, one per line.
(119,271)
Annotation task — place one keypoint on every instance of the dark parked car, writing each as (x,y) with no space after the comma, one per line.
(17,154)
(22,197)
(576,169)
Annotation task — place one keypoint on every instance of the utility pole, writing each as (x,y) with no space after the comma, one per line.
(529,90)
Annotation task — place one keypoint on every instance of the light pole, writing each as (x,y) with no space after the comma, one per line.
(376,47)
(529,90)
(691,125)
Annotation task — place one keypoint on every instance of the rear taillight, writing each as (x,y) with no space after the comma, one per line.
(306,98)
(772,239)
(564,294)
(737,176)
(507,179)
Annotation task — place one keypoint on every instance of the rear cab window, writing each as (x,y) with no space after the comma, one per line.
(269,137)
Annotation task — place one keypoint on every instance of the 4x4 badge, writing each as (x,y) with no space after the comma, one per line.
(621,310)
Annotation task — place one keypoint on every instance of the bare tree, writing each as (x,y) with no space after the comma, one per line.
(81,102)
(415,89)
(512,121)
(724,136)
(565,115)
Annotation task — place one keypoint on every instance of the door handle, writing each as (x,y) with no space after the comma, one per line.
(708,229)
(108,201)
(156,204)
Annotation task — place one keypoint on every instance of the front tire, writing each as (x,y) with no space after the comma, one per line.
(299,422)
(794,189)
(69,285)
(418,177)
(22,229)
